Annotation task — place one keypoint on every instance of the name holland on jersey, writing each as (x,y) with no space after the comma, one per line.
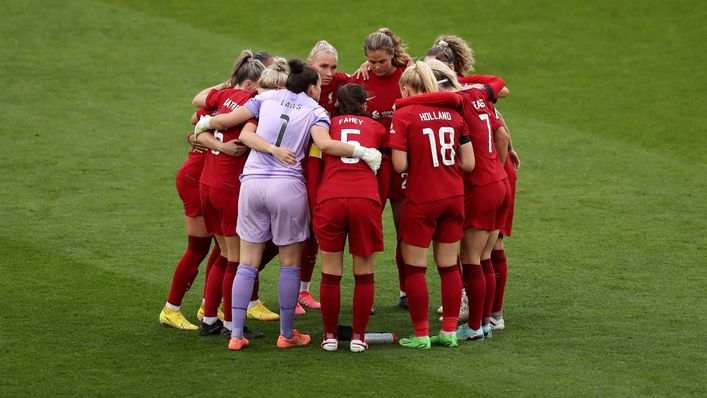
(435,115)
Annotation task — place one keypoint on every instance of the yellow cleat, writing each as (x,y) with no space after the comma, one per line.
(261,312)
(176,320)
(200,313)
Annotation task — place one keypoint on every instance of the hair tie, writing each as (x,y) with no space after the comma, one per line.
(442,81)
(442,43)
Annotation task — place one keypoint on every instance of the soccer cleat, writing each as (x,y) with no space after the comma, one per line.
(210,330)
(297,340)
(299,310)
(261,312)
(236,344)
(440,309)
(464,332)
(176,319)
(330,343)
(497,323)
(487,331)
(200,312)
(447,341)
(403,302)
(307,300)
(373,310)
(420,343)
(358,346)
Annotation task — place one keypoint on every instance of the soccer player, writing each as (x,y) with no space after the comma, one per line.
(387,59)
(430,139)
(219,190)
(273,198)
(348,202)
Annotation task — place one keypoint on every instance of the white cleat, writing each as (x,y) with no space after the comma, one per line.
(358,346)
(330,344)
(497,323)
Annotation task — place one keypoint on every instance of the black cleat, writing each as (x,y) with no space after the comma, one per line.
(403,303)
(373,310)
(210,330)
(247,333)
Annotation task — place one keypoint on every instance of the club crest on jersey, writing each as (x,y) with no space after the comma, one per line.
(376,115)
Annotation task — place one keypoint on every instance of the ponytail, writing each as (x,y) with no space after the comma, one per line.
(420,78)
(246,68)
(453,50)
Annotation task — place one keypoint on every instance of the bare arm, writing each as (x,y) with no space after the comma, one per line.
(258,143)
(503,93)
(515,159)
(466,157)
(501,139)
(400,161)
(200,100)
(224,121)
(323,141)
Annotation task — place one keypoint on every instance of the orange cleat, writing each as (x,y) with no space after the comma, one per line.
(297,340)
(236,344)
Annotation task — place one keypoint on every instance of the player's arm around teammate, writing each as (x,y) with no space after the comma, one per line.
(348,202)
(431,141)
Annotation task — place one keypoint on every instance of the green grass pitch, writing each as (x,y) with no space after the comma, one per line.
(607,279)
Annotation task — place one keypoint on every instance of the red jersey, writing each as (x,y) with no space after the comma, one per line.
(327,99)
(382,91)
(430,135)
(220,170)
(481,119)
(190,172)
(351,177)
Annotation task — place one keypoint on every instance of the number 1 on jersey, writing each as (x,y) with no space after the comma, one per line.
(285,119)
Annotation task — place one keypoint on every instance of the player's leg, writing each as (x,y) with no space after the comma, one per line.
(250,253)
(475,284)
(451,290)
(330,294)
(490,279)
(308,261)
(500,268)
(396,208)
(415,258)
(256,307)
(364,291)
(211,324)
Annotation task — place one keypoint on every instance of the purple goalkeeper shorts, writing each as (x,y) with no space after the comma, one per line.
(273,208)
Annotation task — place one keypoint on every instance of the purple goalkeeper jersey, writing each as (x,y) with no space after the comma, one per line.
(284,119)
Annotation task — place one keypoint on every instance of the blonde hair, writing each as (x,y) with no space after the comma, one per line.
(322,46)
(275,75)
(384,39)
(246,68)
(454,50)
(420,78)
(446,78)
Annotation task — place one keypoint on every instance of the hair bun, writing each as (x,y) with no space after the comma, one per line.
(296,65)
(279,64)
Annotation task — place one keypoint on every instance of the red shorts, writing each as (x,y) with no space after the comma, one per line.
(220,210)
(486,206)
(397,186)
(508,223)
(359,217)
(189,193)
(441,221)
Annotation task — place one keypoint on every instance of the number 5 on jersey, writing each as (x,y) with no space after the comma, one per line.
(345,133)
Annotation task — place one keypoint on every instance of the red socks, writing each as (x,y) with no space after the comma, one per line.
(215,254)
(418,298)
(401,266)
(330,296)
(475,285)
(362,303)
(187,268)
(451,286)
(487,266)
(500,267)
(308,259)
(226,288)
(214,284)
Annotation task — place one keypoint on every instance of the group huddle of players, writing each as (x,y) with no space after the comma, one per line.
(419,134)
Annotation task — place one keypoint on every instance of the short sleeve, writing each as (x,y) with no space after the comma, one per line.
(397,138)
(212,98)
(253,105)
(321,118)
